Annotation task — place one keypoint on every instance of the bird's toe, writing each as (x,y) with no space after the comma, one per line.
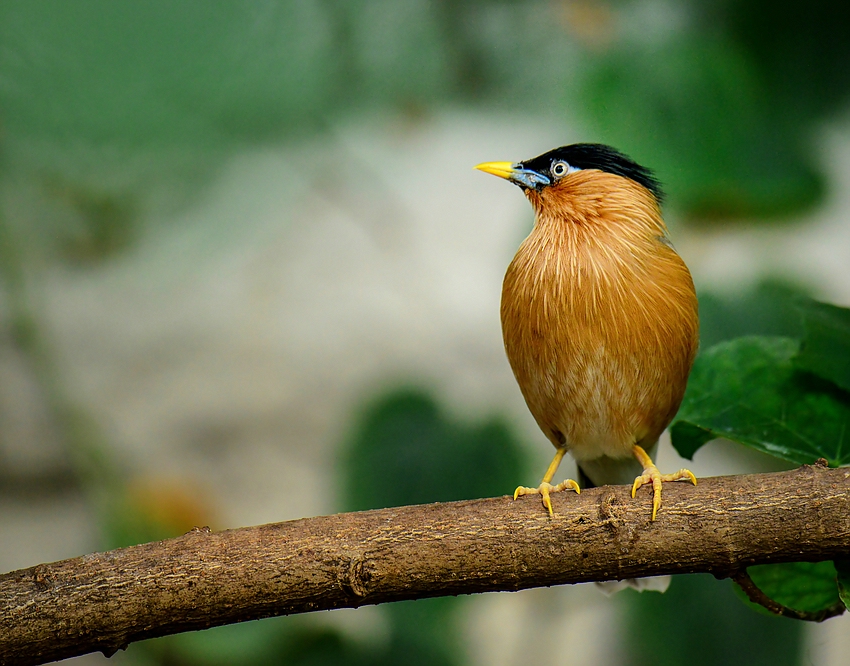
(656,478)
(544,489)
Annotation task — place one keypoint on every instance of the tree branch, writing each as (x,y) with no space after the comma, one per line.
(203,579)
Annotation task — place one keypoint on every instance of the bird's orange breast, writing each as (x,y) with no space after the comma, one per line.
(599,317)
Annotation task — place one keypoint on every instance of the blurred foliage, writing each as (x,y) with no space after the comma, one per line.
(770,308)
(297,642)
(88,455)
(801,52)
(128,510)
(294,641)
(99,101)
(104,225)
(405,450)
(696,116)
(150,509)
(246,644)
(723,98)
(700,621)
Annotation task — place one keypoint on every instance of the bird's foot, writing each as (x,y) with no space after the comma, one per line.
(544,489)
(656,478)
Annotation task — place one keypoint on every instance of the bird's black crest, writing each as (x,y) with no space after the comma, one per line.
(597,156)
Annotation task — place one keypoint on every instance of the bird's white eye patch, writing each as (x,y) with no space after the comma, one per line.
(560,169)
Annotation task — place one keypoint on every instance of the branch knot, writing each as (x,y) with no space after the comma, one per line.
(355,580)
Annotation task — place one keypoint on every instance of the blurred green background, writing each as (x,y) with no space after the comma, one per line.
(247,274)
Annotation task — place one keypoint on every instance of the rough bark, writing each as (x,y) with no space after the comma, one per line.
(202,579)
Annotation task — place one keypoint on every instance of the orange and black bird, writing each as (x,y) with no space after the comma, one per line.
(599,315)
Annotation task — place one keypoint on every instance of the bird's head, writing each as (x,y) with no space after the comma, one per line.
(578,175)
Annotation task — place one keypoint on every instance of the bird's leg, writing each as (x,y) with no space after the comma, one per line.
(546,487)
(652,475)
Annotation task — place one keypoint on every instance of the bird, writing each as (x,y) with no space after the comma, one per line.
(599,316)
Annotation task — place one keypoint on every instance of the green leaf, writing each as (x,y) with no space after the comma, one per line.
(688,438)
(804,586)
(748,390)
(826,348)
(843,569)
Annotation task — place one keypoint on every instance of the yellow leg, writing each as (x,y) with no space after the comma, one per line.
(545,486)
(652,475)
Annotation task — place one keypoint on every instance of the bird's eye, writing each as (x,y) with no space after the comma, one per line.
(560,168)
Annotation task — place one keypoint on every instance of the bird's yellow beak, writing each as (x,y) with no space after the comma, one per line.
(500,169)
(517,174)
